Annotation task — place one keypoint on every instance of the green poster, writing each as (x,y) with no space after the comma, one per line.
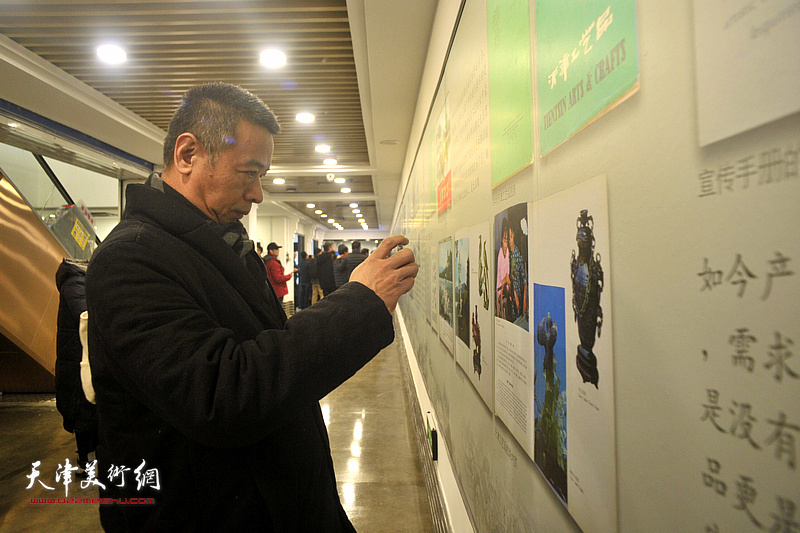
(587,60)
(510,91)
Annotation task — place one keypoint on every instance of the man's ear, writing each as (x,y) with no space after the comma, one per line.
(187,147)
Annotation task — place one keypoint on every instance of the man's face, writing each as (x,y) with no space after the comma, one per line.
(228,188)
(274,252)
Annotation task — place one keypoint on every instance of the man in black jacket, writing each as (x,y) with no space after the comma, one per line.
(313,273)
(208,397)
(303,282)
(340,274)
(355,258)
(325,269)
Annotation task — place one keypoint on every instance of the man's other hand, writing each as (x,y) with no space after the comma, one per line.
(389,276)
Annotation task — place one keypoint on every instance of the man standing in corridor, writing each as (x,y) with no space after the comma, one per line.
(203,387)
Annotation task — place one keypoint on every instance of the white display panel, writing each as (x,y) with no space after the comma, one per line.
(572,279)
(513,384)
(462,295)
(480,366)
(748,73)
(444,286)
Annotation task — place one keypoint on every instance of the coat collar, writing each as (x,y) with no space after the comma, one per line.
(173,213)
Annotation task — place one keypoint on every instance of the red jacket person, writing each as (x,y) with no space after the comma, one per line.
(275,271)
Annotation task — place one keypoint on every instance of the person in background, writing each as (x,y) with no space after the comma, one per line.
(204,389)
(325,269)
(313,274)
(303,282)
(277,277)
(259,250)
(340,274)
(354,259)
(79,415)
(365,251)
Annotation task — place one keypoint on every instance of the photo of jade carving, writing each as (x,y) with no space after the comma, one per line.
(550,393)
(476,336)
(483,272)
(587,284)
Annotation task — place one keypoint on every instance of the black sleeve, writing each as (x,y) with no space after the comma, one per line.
(162,344)
(74,292)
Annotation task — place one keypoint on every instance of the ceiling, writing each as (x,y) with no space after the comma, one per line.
(355,64)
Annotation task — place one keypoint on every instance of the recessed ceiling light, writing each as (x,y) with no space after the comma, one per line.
(331,220)
(318,212)
(13,125)
(323,215)
(356,211)
(341,228)
(311,206)
(322,148)
(278,181)
(345,190)
(361,220)
(339,180)
(273,58)
(329,162)
(304,117)
(353,205)
(111,53)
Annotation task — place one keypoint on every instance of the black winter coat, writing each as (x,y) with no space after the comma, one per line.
(77,412)
(325,271)
(340,273)
(302,272)
(199,376)
(352,260)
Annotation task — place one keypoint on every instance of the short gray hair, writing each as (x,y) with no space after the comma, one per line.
(212,112)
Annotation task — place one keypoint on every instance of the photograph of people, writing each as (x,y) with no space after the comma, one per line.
(511,294)
(519,279)
(503,272)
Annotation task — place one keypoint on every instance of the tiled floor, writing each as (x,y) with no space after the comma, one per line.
(374,452)
(27,398)
(371,434)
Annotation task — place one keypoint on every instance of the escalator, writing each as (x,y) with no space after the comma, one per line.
(40,225)
(29,255)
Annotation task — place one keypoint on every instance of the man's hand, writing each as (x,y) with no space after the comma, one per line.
(389,277)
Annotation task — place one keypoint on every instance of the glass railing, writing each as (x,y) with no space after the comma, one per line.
(70,224)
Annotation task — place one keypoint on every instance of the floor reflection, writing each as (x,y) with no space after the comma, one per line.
(377,466)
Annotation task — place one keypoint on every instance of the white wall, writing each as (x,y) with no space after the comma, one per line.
(674,338)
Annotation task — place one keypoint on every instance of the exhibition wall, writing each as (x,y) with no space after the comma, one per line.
(603,200)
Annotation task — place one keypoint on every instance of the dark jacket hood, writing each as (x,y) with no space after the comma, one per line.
(70,267)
